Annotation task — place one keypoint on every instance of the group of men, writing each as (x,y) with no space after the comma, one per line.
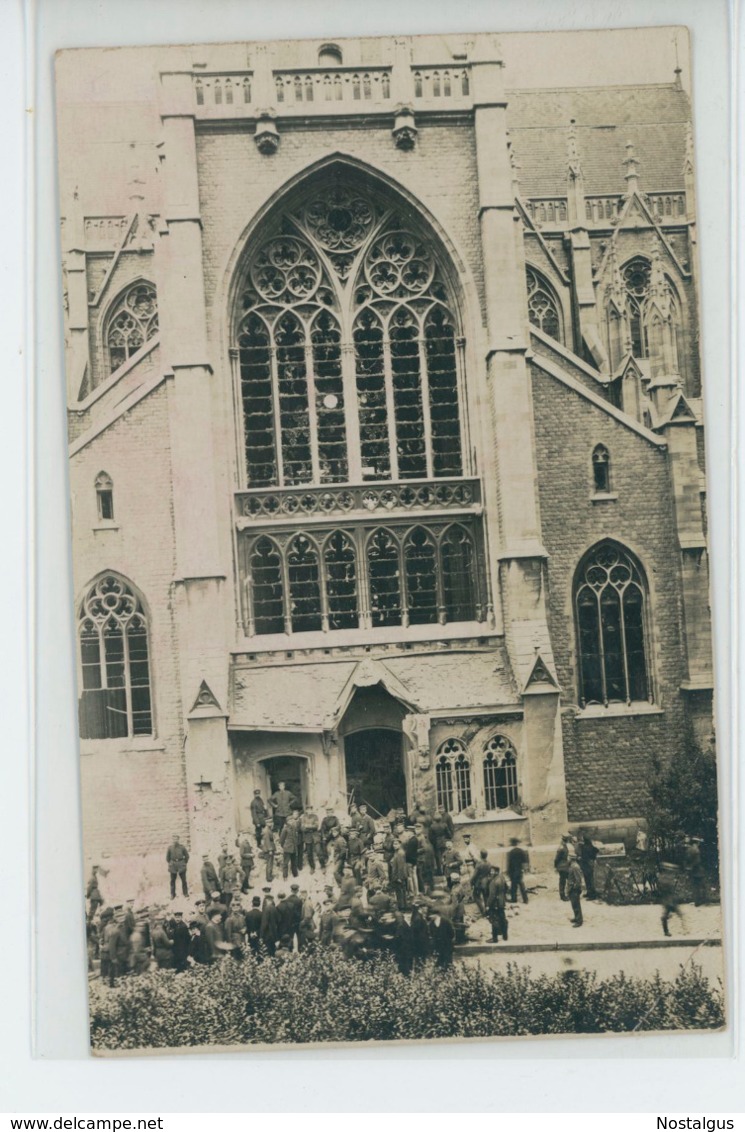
(575,864)
(398,883)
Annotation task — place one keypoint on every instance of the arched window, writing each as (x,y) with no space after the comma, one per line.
(348,348)
(384,571)
(610,604)
(500,774)
(329,55)
(453,777)
(132,322)
(636,276)
(115,698)
(420,562)
(601,469)
(543,307)
(267,588)
(458,575)
(105,497)
(340,569)
(305,585)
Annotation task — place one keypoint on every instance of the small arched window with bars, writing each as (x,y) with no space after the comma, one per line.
(601,469)
(132,321)
(115,698)
(543,306)
(453,777)
(499,766)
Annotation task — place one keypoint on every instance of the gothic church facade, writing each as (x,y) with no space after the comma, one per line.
(386,447)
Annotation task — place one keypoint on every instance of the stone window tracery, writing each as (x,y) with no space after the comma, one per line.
(115,698)
(636,276)
(132,322)
(611,610)
(453,777)
(543,308)
(308,582)
(348,349)
(499,768)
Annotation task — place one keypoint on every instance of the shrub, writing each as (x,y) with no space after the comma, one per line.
(320,996)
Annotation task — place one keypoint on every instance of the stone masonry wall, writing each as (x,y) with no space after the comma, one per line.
(133,791)
(608,760)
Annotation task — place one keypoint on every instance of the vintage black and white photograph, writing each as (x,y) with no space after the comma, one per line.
(389,537)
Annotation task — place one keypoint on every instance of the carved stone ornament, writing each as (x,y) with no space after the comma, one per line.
(404,129)
(266,135)
(416,729)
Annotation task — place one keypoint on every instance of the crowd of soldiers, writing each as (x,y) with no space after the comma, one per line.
(396,883)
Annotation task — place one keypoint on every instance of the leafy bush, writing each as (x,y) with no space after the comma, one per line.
(320,996)
(683,800)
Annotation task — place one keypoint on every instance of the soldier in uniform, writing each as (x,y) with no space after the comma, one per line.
(259,815)
(246,853)
(93,893)
(311,836)
(574,888)
(208,875)
(517,860)
(496,904)
(289,839)
(268,851)
(177,858)
(561,864)
(253,925)
(181,938)
(282,803)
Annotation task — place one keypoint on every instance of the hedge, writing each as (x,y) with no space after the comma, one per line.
(320,996)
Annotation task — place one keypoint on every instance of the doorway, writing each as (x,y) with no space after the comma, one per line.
(291,770)
(374,764)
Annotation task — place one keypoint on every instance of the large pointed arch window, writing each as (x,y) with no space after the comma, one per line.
(115,696)
(637,282)
(610,601)
(360,508)
(348,348)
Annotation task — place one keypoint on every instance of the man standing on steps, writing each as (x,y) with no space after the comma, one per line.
(177,857)
(282,802)
(259,815)
(208,876)
(574,888)
(268,850)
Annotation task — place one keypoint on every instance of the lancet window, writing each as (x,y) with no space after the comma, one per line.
(610,600)
(499,769)
(115,698)
(453,777)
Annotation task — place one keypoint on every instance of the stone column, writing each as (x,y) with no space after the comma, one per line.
(521,555)
(200,596)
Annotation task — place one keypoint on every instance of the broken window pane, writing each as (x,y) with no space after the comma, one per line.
(443,394)
(258,411)
(407,396)
(340,567)
(421,578)
(294,419)
(371,401)
(385,579)
(458,575)
(266,579)
(332,437)
(305,586)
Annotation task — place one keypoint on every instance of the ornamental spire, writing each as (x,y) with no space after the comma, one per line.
(632,169)
(575,180)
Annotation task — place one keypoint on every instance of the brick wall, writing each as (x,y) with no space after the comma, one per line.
(608,760)
(134,799)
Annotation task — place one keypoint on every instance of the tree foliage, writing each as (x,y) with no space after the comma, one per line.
(684,800)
